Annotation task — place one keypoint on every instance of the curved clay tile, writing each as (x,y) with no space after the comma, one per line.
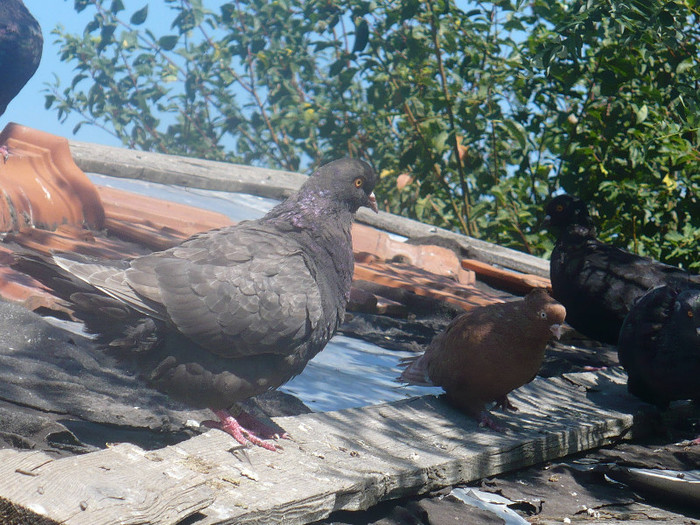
(40,185)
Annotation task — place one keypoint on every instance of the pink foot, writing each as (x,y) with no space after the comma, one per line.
(4,153)
(486,421)
(245,429)
(504,404)
(589,368)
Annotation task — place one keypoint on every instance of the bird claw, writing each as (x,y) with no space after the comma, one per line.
(504,404)
(486,421)
(246,429)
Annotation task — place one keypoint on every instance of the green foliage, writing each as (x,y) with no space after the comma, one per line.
(489,107)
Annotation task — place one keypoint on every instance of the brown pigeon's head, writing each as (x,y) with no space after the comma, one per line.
(546,311)
(564,211)
(349,182)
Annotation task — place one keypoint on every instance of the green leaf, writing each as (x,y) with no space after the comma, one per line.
(337,66)
(642,114)
(117,5)
(139,17)
(517,131)
(168,42)
(361,35)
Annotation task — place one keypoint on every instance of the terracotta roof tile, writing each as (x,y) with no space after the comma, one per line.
(50,202)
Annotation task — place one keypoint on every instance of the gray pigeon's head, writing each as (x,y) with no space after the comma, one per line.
(347,181)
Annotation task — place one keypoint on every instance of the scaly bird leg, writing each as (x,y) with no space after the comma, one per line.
(504,404)
(245,429)
(486,421)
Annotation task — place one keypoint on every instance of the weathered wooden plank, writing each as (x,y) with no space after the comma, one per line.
(349,459)
(115,485)
(198,173)
(184,171)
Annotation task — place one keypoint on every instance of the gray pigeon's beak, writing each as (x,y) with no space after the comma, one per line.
(557,330)
(546,222)
(373,203)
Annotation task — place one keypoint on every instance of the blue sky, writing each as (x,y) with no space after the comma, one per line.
(28,107)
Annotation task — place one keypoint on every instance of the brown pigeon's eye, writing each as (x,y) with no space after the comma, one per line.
(359,182)
(543,315)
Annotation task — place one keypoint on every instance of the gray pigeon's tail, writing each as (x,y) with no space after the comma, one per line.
(416,372)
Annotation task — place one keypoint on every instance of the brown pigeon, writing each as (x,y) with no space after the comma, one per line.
(596,282)
(234,312)
(20,49)
(487,352)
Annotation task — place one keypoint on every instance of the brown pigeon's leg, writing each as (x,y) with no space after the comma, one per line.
(4,153)
(486,421)
(589,368)
(504,404)
(243,435)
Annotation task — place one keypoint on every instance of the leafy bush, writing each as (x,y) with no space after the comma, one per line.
(481,110)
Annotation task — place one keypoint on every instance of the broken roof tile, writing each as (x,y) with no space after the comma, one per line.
(47,191)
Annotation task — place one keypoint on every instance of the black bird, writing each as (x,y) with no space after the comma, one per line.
(20,49)
(234,312)
(596,282)
(659,345)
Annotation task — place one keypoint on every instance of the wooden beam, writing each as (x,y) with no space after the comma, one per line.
(349,460)
(276,184)
(184,171)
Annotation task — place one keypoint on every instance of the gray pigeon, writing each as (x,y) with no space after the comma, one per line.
(234,312)
(20,49)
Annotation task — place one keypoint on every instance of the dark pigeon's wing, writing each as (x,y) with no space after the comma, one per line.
(236,292)
(109,277)
(659,345)
(599,283)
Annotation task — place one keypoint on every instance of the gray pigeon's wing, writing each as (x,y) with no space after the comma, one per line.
(110,278)
(237,292)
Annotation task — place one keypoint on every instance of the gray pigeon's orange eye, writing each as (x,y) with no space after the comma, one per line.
(359,182)
(559,207)
(690,314)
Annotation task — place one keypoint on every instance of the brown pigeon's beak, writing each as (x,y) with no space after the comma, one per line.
(557,330)
(373,203)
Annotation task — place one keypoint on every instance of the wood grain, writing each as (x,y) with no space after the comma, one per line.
(349,459)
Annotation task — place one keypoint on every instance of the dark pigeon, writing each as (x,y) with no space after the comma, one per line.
(659,345)
(596,282)
(487,352)
(234,312)
(20,49)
